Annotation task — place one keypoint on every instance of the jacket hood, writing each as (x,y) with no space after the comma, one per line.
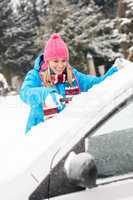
(38,62)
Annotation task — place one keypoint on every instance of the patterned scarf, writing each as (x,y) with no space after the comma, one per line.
(70,90)
(61,78)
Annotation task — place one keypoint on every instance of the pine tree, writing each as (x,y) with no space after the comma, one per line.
(125,25)
(6,23)
(52,20)
(21,51)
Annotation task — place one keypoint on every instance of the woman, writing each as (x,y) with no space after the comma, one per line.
(52,75)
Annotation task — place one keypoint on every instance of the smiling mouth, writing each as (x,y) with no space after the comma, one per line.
(59,70)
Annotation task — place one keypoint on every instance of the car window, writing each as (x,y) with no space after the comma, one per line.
(112,143)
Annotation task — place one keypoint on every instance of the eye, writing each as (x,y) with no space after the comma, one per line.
(63,61)
(55,61)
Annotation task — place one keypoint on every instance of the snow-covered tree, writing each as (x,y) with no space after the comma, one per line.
(52,21)
(125,25)
(21,50)
(102,28)
(89,30)
(6,23)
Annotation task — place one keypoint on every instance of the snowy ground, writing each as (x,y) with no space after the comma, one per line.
(13,114)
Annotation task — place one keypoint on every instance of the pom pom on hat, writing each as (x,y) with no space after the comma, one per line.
(56,48)
(55,36)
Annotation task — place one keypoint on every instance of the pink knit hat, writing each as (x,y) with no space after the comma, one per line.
(55,49)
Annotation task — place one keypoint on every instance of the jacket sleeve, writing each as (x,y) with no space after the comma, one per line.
(87,81)
(32,92)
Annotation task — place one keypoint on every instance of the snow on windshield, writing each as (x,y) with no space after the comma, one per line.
(18,151)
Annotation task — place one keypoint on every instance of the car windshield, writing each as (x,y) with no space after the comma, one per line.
(112,144)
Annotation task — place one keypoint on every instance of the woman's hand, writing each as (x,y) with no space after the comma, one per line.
(56,98)
(120,63)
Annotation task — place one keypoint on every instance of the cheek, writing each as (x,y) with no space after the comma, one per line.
(64,65)
(54,66)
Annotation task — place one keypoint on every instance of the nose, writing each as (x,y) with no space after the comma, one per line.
(60,64)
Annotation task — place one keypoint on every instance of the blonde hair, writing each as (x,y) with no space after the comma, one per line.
(46,77)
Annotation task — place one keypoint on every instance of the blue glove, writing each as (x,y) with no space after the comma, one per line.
(56,97)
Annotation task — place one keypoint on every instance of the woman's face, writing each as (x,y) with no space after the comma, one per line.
(57,65)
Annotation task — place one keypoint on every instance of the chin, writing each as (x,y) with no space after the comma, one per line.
(58,73)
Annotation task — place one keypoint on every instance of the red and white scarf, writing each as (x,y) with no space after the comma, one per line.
(69,91)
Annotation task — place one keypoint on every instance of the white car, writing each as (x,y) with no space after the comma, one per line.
(104,118)
(111,144)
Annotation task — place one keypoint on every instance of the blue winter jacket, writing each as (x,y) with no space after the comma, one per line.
(34,93)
